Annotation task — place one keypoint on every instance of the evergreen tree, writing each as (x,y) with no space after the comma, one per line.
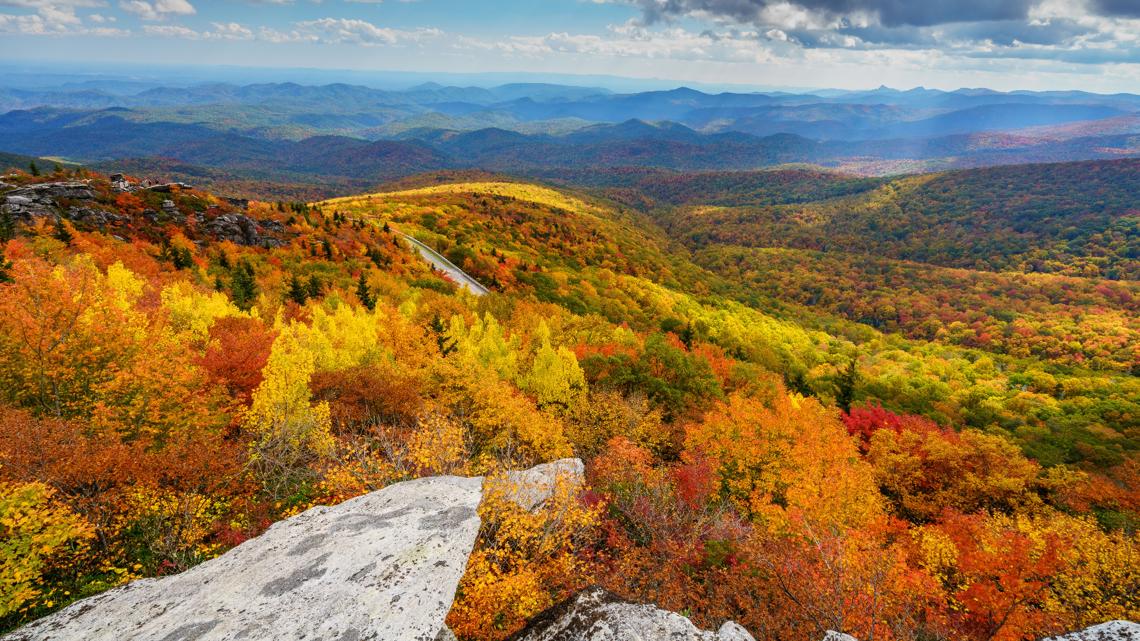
(446,345)
(314,287)
(364,293)
(33,169)
(328,249)
(7,225)
(297,293)
(62,233)
(845,385)
(5,268)
(243,286)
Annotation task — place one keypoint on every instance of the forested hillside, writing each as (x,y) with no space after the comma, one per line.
(794,440)
(1078,219)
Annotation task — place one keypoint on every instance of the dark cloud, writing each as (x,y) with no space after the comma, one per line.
(892,13)
(1126,8)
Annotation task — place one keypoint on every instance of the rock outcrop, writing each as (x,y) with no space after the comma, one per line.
(43,199)
(597,615)
(1111,631)
(380,566)
(530,488)
(243,230)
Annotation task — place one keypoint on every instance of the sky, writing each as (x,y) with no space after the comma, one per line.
(848,44)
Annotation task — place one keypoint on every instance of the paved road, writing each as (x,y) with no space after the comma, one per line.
(447,267)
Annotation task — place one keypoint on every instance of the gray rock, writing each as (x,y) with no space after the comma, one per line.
(380,566)
(832,635)
(241,230)
(530,488)
(41,200)
(98,217)
(1110,631)
(597,615)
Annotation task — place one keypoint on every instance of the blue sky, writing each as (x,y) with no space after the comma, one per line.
(1002,44)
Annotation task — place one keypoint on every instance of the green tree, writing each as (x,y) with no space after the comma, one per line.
(5,268)
(364,293)
(845,385)
(62,233)
(7,225)
(243,286)
(314,287)
(297,292)
(33,169)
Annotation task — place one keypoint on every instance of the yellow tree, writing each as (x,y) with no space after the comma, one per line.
(290,434)
(794,457)
(32,530)
(554,377)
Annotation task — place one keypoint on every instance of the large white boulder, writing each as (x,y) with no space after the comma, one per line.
(382,566)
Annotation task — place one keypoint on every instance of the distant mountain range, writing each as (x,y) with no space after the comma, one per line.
(316,134)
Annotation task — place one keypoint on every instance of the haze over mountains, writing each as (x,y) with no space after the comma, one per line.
(352,135)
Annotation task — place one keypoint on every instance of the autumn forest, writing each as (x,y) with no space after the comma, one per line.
(902,408)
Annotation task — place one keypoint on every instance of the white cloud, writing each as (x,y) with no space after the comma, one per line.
(157,10)
(230,31)
(352,31)
(171,31)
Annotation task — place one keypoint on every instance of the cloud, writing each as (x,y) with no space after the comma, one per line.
(353,31)
(230,31)
(891,13)
(157,10)
(52,16)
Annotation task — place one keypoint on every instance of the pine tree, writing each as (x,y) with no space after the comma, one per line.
(364,293)
(5,268)
(62,233)
(7,225)
(314,287)
(33,169)
(845,385)
(446,345)
(297,293)
(243,286)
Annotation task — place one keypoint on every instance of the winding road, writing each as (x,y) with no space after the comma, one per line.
(447,267)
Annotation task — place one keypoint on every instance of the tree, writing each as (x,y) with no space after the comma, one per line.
(32,530)
(33,169)
(243,286)
(290,433)
(364,293)
(791,460)
(314,287)
(923,470)
(7,225)
(297,291)
(62,233)
(845,385)
(5,268)
(555,377)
